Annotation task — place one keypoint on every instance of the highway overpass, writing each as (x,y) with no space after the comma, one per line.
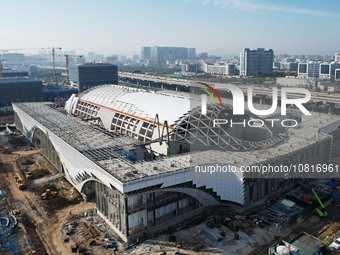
(185,86)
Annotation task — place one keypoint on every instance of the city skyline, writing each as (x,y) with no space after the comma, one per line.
(221,27)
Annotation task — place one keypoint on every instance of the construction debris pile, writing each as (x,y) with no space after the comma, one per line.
(34,167)
(14,237)
(19,143)
(57,196)
(88,233)
(226,232)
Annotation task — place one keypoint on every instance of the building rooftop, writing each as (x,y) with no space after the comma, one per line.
(139,102)
(97,64)
(104,148)
(303,244)
(91,141)
(307,244)
(18,79)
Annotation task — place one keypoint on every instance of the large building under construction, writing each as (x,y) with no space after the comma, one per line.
(140,154)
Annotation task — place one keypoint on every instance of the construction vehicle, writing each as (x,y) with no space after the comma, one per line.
(29,175)
(320,210)
(20,180)
(48,194)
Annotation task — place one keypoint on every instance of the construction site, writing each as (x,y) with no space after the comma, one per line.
(136,162)
(36,200)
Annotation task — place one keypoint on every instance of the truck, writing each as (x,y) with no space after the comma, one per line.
(20,180)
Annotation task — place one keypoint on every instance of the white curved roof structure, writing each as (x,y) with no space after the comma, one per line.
(138,102)
(133,112)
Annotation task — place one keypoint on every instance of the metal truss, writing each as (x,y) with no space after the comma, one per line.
(198,130)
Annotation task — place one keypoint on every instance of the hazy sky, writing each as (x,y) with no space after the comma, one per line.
(214,26)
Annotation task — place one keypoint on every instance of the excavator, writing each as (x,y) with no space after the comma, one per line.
(320,210)
(20,180)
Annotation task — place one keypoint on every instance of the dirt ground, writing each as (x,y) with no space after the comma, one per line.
(7,119)
(45,219)
(42,219)
(51,231)
(331,232)
(23,200)
(48,225)
(34,163)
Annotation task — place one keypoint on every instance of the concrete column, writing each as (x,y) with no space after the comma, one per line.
(153,216)
(255,195)
(126,218)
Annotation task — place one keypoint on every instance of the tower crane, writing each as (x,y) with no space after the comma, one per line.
(53,61)
(1,52)
(67,65)
(45,48)
(1,68)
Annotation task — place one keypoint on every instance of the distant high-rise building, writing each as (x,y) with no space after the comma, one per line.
(309,70)
(232,70)
(316,69)
(135,57)
(191,68)
(203,56)
(303,69)
(167,55)
(112,59)
(91,57)
(277,65)
(191,53)
(290,66)
(99,58)
(327,70)
(91,75)
(337,74)
(80,60)
(256,62)
(145,53)
(122,58)
(14,58)
(337,57)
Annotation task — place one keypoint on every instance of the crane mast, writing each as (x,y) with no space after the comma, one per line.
(67,63)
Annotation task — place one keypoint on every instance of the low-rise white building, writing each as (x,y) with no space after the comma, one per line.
(292,81)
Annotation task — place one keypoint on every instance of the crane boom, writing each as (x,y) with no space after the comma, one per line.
(321,209)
